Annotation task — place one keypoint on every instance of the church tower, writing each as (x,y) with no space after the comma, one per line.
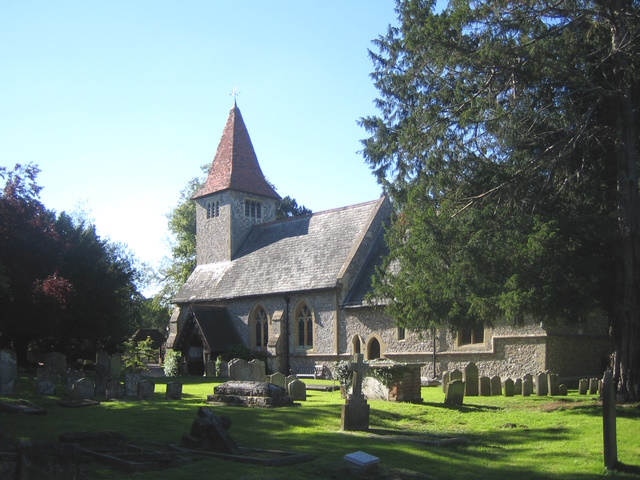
(234,197)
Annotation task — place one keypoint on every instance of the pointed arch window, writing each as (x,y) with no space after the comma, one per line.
(304,326)
(260,322)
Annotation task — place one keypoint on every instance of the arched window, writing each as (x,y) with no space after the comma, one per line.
(260,321)
(373,349)
(304,326)
(355,343)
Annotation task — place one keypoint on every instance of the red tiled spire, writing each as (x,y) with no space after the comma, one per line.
(235,165)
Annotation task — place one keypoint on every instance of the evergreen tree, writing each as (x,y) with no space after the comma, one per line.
(507,136)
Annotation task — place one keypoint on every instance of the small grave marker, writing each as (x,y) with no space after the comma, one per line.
(362,460)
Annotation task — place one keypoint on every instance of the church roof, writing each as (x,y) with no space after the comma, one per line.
(235,165)
(299,254)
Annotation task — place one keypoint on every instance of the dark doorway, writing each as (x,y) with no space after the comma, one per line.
(373,350)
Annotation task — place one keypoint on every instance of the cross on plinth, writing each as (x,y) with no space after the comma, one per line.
(358,367)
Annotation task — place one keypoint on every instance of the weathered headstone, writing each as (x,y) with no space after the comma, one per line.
(146,389)
(131,381)
(210,431)
(583,386)
(256,371)
(517,387)
(455,375)
(297,390)
(527,385)
(553,384)
(8,372)
(609,421)
(290,379)
(103,363)
(509,388)
(541,384)
(83,388)
(563,390)
(239,370)
(101,383)
(115,367)
(496,385)
(484,386)
(114,390)
(46,381)
(72,377)
(593,386)
(57,363)
(174,391)
(455,393)
(210,368)
(445,381)
(355,411)
(471,380)
(278,379)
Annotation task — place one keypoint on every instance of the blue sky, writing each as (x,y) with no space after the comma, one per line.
(121,103)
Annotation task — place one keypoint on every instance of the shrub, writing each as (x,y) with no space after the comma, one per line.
(172,363)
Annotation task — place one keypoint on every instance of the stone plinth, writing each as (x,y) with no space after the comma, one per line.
(355,414)
(258,394)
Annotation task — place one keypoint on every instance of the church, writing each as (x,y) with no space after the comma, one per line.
(293,291)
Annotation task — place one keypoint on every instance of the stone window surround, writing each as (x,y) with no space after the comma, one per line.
(253,209)
(474,341)
(256,310)
(299,305)
(213,209)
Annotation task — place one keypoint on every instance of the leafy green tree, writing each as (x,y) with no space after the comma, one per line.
(288,207)
(507,137)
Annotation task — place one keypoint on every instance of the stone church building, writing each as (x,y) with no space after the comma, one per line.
(293,290)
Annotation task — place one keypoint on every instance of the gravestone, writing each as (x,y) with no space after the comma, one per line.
(455,393)
(355,411)
(209,431)
(57,363)
(146,389)
(114,390)
(445,381)
(101,383)
(45,460)
(239,370)
(115,367)
(484,386)
(553,385)
(583,386)
(471,380)
(496,385)
(517,387)
(72,377)
(455,375)
(290,379)
(609,421)
(174,391)
(527,385)
(593,386)
(131,381)
(257,371)
(509,388)
(278,379)
(541,384)
(297,390)
(8,372)
(46,381)
(563,390)
(103,363)
(83,388)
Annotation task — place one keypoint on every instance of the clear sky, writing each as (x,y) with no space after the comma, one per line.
(121,103)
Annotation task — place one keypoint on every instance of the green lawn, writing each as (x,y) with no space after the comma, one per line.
(523,438)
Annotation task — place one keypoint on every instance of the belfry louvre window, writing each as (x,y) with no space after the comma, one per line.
(253,210)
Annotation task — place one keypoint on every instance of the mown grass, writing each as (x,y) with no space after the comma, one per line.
(524,438)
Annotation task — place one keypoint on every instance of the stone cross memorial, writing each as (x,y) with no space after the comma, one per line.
(355,411)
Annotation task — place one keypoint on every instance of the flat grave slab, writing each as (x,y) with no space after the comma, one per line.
(23,407)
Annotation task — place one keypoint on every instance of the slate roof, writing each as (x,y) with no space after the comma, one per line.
(235,165)
(297,254)
(362,285)
(216,328)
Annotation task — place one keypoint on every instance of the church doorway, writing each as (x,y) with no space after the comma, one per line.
(193,350)
(355,344)
(373,349)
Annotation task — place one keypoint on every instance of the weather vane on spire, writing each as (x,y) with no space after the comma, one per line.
(234,93)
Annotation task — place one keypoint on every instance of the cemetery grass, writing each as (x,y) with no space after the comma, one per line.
(531,438)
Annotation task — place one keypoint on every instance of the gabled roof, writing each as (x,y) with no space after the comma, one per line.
(216,328)
(292,255)
(235,165)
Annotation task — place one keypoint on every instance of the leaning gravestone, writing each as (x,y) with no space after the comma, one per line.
(8,372)
(496,385)
(583,386)
(471,380)
(297,390)
(455,393)
(553,385)
(174,391)
(46,381)
(355,411)
(609,421)
(209,432)
(484,386)
(278,379)
(541,384)
(509,388)
(527,385)
(146,389)
(83,388)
